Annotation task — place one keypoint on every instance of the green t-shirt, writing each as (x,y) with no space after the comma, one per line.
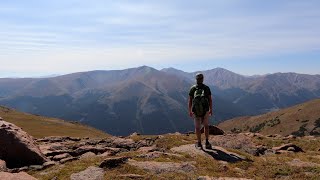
(206,89)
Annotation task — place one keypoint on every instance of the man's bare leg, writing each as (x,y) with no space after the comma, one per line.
(197,124)
(206,125)
(206,130)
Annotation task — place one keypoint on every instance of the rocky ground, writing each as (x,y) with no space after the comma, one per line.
(169,156)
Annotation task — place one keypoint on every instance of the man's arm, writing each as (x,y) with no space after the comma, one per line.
(190,106)
(210,105)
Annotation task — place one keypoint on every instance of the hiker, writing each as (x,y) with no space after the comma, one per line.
(200,108)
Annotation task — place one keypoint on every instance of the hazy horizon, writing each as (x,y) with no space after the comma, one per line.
(248,37)
(199,70)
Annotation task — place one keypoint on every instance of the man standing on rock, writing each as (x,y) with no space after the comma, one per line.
(200,108)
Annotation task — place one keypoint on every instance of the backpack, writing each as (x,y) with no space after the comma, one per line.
(200,102)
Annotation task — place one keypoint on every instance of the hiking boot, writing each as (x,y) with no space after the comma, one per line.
(208,145)
(198,146)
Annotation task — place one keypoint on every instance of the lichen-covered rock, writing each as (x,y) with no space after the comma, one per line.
(164,167)
(242,142)
(124,143)
(62,161)
(91,173)
(90,148)
(87,155)
(217,153)
(148,149)
(113,162)
(53,139)
(49,164)
(288,147)
(18,148)
(16,176)
(61,156)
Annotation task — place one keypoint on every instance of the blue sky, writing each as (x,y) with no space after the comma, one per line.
(42,37)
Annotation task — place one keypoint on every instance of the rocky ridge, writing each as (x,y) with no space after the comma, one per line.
(169,156)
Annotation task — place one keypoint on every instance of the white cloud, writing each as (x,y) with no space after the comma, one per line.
(73,36)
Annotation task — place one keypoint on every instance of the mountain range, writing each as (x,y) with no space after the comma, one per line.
(151,101)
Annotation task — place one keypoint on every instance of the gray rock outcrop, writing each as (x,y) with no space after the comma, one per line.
(17,148)
(16,176)
(217,153)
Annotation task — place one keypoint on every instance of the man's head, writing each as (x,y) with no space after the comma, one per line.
(199,78)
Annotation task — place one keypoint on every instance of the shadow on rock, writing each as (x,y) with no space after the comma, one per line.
(217,153)
(222,155)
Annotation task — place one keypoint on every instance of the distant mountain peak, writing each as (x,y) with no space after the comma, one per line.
(221,69)
(224,71)
(171,69)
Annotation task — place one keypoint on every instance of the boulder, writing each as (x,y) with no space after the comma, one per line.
(3,166)
(288,147)
(261,150)
(289,137)
(89,148)
(49,164)
(134,134)
(96,141)
(53,139)
(146,142)
(49,153)
(213,130)
(62,161)
(274,136)
(242,142)
(55,148)
(18,148)
(112,151)
(36,167)
(91,173)
(148,149)
(105,154)
(113,162)
(1,119)
(16,176)
(124,143)
(87,155)
(61,156)
(17,170)
(251,135)
(216,152)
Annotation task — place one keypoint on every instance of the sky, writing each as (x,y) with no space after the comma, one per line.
(249,37)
